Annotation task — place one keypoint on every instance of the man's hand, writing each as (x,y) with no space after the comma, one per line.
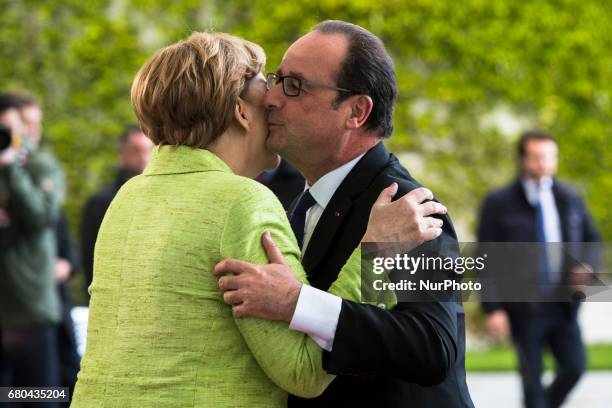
(581,276)
(266,291)
(63,267)
(406,220)
(498,325)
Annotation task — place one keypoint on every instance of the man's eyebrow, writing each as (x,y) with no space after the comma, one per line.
(296,74)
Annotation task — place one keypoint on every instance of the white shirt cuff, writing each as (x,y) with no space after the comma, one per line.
(316,314)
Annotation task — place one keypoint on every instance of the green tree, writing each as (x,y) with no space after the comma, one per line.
(472,75)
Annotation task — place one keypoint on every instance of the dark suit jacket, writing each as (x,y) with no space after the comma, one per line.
(286,182)
(507,216)
(412,356)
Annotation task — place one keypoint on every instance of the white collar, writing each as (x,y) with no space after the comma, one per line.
(325,187)
(533,188)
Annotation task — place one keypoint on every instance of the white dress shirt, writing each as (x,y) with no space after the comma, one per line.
(317,311)
(542,192)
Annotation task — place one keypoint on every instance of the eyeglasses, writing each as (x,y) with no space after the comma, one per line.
(292,86)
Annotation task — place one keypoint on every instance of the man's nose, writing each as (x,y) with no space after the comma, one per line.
(274,97)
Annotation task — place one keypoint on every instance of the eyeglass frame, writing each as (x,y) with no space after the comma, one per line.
(273,79)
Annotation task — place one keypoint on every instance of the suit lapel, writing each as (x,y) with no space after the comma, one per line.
(358,180)
(294,204)
(522,196)
(324,233)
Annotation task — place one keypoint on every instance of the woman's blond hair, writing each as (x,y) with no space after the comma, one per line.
(187,92)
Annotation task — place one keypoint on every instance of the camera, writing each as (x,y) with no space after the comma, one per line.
(5,137)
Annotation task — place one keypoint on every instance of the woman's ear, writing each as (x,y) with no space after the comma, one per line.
(241,114)
(361,107)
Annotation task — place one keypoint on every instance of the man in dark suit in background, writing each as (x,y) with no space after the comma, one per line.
(66,260)
(331,104)
(539,208)
(285,182)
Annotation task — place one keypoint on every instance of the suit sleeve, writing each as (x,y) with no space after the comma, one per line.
(416,342)
(289,358)
(488,231)
(93,213)
(36,195)
(65,247)
(591,238)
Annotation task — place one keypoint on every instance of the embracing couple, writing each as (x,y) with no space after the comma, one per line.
(206,294)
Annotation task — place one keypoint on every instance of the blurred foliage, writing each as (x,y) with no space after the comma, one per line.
(503,358)
(472,75)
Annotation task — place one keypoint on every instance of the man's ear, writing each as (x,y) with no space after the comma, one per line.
(361,107)
(242,115)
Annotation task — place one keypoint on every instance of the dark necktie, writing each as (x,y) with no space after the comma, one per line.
(544,273)
(298,216)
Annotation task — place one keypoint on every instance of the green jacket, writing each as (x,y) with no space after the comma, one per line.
(159,332)
(31,195)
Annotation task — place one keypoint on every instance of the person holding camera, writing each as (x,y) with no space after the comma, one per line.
(31,195)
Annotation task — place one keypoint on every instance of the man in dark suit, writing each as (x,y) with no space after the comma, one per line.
(331,105)
(539,208)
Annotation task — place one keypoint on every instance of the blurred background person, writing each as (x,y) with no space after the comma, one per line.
(66,258)
(32,117)
(31,196)
(134,153)
(539,208)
